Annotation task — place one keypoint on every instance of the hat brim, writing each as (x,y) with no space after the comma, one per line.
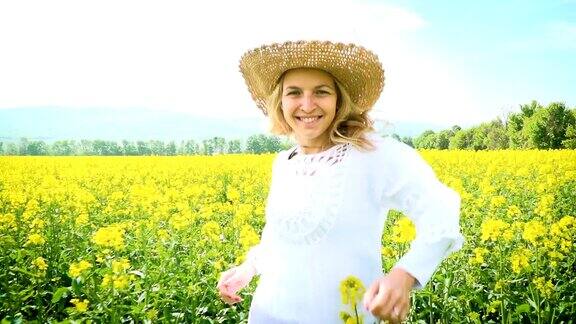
(355,67)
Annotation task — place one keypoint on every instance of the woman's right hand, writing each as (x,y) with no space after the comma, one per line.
(233,280)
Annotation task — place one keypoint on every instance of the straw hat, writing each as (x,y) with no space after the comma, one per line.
(358,69)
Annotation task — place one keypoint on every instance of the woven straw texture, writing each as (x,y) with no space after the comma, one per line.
(358,69)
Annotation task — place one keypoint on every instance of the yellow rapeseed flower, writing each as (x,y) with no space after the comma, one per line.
(80,305)
(120,265)
(163,234)
(493,306)
(106,280)
(248,237)
(533,230)
(121,282)
(7,221)
(81,219)
(497,201)
(513,211)
(76,269)
(478,257)
(110,236)
(211,230)
(545,287)
(492,228)
(37,224)
(35,239)
(351,290)
(520,260)
(403,231)
(40,263)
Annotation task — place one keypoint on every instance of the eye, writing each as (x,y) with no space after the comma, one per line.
(293,93)
(323,92)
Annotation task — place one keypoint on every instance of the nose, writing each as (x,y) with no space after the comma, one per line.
(308,104)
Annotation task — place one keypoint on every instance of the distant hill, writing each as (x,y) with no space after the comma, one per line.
(51,124)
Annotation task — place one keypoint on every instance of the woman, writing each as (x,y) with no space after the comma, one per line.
(331,193)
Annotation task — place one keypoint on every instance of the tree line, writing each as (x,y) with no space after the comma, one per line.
(255,144)
(533,127)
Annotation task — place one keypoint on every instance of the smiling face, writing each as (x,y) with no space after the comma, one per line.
(309,101)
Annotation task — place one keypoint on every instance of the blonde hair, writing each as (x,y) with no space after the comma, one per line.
(350,123)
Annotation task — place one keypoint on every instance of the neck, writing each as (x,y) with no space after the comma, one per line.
(314,148)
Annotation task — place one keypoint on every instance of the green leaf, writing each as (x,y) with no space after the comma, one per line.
(524,308)
(60,292)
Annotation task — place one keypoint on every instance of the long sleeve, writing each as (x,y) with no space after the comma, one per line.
(433,207)
(256,256)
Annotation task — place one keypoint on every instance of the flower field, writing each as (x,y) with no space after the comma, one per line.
(144,239)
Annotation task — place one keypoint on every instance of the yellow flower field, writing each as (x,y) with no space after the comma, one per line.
(144,239)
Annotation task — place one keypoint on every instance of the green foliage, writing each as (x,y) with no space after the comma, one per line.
(258,144)
(426,140)
(546,128)
(533,127)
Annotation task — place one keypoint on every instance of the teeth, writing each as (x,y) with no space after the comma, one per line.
(309,119)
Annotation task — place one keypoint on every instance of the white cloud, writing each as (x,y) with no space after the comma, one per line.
(183,55)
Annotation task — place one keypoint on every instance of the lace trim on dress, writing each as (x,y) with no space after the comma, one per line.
(309,164)
(304,202)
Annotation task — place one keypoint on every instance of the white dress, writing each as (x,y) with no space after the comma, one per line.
(325,218)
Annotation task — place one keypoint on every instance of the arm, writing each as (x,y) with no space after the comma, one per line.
(433,207)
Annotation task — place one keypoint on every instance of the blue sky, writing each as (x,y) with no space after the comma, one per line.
(446,62)
(510,50)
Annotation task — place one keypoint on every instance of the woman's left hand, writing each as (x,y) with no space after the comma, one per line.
(388,298)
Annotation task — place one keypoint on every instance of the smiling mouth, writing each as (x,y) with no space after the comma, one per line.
(309,119)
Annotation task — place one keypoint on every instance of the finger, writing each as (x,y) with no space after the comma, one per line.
(369,295)
(233,286)
(381,304)
(225,276)
(396,314)
(229,299)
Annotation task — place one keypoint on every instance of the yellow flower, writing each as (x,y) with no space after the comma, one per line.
(404,231)
(80,305)
(211,229)
(76,269)
(497,201)
(163,234)
(513,211)
(248,237)
(40,263)
(106,280)
(533,230)
(110,236)
(354,320)
(498,285)
(233,194)
(121,282)
(81,219)
(351,290)
(544,207)
(493,307)
(388,252)
(120,265)
(520,260)
(7,221)
(35,239)
(37,224)
(492,228)
(508,235)
(181,220)
(478,257)
(545,287)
